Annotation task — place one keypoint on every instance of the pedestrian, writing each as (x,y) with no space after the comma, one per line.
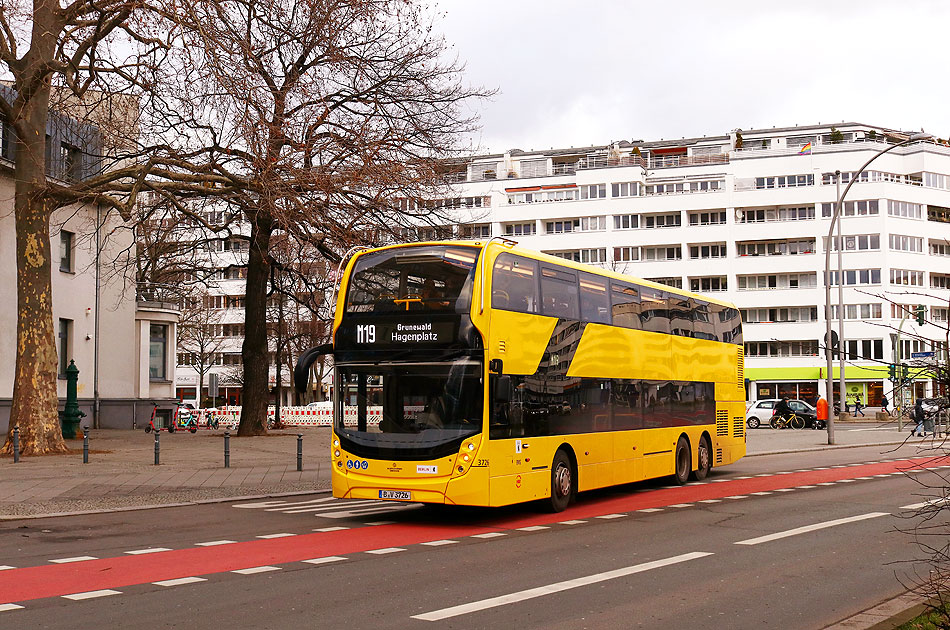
(917,415)
(858,407)
(884,405)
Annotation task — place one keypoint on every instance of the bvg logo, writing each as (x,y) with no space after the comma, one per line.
(357,464)
(366,333)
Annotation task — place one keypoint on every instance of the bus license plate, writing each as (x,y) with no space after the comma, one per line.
(402,495)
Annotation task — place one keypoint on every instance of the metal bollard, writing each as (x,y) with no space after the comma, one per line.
(85,444)
(227,449)
(16,444)
(299,452)
(156,447)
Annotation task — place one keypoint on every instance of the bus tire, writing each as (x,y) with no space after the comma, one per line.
(682,461)
(563,483)
(703,460)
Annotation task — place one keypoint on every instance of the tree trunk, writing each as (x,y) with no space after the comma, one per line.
(35,402)
(254,352)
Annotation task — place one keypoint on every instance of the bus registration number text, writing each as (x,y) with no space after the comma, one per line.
(402,495)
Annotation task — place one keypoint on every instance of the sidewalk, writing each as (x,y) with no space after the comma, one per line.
(121,473)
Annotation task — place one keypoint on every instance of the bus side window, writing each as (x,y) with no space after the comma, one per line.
(625,305)
(595,306)
(681,316)
(654,310)
(703,327)
(514,285)
(559,294)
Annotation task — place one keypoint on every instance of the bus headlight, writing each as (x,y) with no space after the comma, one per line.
(336,443)
(465,458)
(336,453)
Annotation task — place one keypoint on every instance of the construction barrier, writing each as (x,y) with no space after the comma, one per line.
(315,415)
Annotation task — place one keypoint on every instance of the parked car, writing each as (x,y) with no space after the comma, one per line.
(760,412)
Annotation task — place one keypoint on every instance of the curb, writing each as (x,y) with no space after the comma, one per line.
(888,614)
(829,447)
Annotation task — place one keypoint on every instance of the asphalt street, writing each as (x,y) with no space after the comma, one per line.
(796,540)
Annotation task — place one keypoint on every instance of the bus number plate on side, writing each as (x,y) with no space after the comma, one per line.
(402,495)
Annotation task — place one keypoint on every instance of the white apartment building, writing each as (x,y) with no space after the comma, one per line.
(745,216)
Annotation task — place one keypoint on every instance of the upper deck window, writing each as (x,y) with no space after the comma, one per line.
(419,279)
(514,284)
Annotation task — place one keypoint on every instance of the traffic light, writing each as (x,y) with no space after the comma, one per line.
(892,372)
(920,312)
(905,372)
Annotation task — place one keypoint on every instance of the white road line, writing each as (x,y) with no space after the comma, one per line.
(785,489)
(139,552)
(269,536)
(864,478)
(827,483)
(253,570)
(76,559)
(380,552)
(742,477)
(377,523)
(760,494)
(846,480)
(180,581)
(739,496)
(439,543)
(343,505)
(651,510)
(533,528)
(215,543)
(92,594)
(681,505)
(810,528)
(6,567)
(711,501)
(330,529)
(574,522)
(324,560)
(805,487)
(6,607)
(930,503)
(610,516)
(492,602)
(489,535)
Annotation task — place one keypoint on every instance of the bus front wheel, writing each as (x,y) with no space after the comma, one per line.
(562,482)
(682,461)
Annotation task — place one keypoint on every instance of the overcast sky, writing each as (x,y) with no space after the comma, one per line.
(589,72)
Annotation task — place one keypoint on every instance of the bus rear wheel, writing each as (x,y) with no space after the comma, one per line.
(703,460)
(562,482)
(683,462)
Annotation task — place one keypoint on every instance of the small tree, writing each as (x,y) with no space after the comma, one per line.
(836,136)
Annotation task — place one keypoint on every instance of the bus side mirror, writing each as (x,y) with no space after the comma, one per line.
(308,358)
(503,389)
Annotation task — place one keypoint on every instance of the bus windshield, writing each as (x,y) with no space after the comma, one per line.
(416,279)
(404,411)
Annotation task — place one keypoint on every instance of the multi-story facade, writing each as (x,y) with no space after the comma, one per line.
(745,216)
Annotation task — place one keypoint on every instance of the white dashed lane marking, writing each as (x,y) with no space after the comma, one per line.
(92,594)
(324,560)
(253,570)
(76,559)
(139,552)
(440,543)
(214,543)
(6,607)
(810,528)
(381,552)
(180,581)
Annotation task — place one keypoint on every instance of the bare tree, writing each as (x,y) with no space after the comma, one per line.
(331,110)
(198,335)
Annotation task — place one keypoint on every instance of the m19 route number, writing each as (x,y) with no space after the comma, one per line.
(366,333)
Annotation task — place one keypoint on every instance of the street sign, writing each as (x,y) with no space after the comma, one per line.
(922,355)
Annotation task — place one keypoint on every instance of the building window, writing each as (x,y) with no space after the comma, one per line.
(781,349)
(662,220)
(708,284)
(626,221)
(776,248)
(862,350)
(858,311)
(520,229)
(625,189)
(901,243)
(852,208)
(857,276)
(626,254)
(72,162)
(907,277)
(779,281)
(857,242)
(66,251)
(65,332)
(157,351)
(903,209)
(583,224)
(938,281)
(939,249)
(792,213)
(594,191)
(676,283)
(674,252)
(707,250)
(475,231)
(717,217)
(592,256)
(784,181)
(779,315)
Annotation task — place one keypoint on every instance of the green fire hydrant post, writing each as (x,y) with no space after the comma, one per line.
(71,414)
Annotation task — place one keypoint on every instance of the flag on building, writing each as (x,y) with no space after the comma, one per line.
(805,150)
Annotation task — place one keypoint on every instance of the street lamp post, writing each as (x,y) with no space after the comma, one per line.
(831,230)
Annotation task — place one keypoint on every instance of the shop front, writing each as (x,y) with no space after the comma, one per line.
(866,384)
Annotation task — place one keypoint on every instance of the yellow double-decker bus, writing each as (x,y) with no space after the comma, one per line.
(482,373)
